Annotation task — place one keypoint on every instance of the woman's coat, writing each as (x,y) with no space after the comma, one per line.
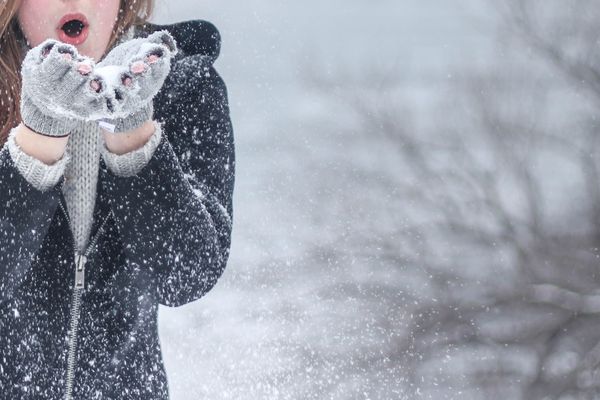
(160,237)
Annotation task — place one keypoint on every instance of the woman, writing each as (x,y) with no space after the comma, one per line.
(117,180)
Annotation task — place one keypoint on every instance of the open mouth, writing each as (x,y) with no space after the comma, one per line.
(73,28)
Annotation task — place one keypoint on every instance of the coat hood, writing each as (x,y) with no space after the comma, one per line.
(194,38)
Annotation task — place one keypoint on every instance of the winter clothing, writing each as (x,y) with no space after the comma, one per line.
(56,95)
(134,101)
(80,166)
(54,92)
(161,234)
(133,105)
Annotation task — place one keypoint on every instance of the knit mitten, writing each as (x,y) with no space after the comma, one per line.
(59,89)
(135,71)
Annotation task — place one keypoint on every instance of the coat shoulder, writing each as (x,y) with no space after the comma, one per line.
(192,77)
(193,37)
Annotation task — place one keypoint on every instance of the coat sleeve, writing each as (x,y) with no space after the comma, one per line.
(175,215)
(25,216)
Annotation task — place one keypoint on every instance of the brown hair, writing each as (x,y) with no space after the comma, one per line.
(131,13)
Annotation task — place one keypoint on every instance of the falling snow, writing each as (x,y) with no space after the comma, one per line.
(416,196)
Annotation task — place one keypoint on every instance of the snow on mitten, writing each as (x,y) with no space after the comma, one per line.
(59,89)
(135,71)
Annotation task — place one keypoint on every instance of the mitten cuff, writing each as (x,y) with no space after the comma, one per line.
(41,176)
(129,164)
(132,121)
(42,123)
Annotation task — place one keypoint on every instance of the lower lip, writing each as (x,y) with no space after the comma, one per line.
(63,37)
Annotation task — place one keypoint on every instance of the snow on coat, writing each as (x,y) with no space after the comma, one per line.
(162,237)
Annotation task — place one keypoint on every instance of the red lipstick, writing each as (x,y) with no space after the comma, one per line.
(73,29)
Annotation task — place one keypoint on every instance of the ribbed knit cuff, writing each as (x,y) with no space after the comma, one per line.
(129,164)
(44,124)
(132,121)
(41,176)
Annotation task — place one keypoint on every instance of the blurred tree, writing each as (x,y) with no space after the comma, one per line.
(500,208)
(516,311)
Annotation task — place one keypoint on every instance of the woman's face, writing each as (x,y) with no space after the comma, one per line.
(86,24)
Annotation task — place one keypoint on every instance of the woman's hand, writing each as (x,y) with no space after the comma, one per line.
(135,71)
(60,89)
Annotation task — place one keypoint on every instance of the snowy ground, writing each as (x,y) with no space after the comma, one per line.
(307,308)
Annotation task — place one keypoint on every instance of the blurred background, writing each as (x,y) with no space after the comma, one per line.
(417,203)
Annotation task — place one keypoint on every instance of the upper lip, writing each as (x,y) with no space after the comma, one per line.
(71,16)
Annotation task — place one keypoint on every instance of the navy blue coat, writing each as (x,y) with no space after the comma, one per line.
(162,237)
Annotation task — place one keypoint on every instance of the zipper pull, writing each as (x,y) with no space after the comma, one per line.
(80,271)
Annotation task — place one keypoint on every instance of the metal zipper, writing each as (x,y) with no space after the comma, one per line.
(78,287)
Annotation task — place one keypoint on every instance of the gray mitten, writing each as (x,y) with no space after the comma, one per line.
(59,89)
(135,71)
